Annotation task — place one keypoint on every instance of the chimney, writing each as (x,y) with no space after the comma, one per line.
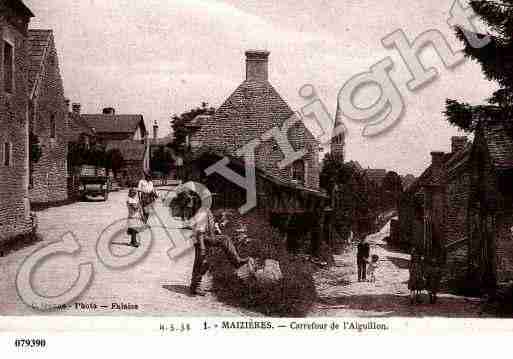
(437,162)
(257,65)
(458,143)
(155,129)
(109,111)
(67,103)
(75,108)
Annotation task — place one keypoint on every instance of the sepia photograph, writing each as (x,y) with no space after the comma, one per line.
(266,160)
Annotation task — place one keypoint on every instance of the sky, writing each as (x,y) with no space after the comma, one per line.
(163,57)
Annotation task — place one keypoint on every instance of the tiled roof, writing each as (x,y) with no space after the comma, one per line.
(499,139)
(255,105)
(130,150)
(38,43)
(376,175)
(237,162)
(426,178)
(113,123)
(78,127)
(460,158)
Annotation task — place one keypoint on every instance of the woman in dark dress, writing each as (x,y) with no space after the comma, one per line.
(416,280)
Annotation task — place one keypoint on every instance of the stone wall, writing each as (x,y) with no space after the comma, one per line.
(454,275)
(14,205)
(504,245)
(458,190)
(49,174)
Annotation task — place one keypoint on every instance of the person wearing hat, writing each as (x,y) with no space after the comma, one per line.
(207,233)
(362,256)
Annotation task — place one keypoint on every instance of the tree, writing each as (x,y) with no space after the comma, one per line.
(392,188)
(353,196)
(179,125)
(114,160)
(162,161)
(496,60)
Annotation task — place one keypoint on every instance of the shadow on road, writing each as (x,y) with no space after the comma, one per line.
(178,288)
(389,305)
(399,262)
(18,243)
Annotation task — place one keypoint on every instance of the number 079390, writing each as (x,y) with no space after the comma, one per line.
(29,343)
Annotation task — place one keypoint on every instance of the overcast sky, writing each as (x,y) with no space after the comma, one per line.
(159,57)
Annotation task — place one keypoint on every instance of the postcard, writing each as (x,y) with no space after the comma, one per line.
(294,167)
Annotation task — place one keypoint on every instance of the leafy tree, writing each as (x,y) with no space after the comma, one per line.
(162,161)
(392,188)
(355,198)
(496,60)
(114,160)
(179,124)
(77,154)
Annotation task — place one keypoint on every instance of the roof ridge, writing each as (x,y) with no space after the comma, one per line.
(42,62)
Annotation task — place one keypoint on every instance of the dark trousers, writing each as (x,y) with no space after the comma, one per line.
(133,235)
(362,268)
(201,266)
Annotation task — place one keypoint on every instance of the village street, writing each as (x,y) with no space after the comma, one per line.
(156,284)
(340,293)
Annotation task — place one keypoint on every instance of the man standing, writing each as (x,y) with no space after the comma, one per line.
(206,233)
(362,255)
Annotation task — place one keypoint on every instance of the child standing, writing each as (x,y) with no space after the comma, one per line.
(134,217)
(371,270)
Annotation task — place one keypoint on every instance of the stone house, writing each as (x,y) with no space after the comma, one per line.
(133,155)
(127,133)
(15,217)
(48,120)
(253,109)
(289,196)
(423,202)
(109,126)
(460,210)
(489,220)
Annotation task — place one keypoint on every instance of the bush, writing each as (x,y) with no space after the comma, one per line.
(292,296)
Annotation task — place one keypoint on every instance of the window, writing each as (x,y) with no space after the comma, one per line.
(7,151)
(31,116)
(8,67)
(298,171)
(53,127)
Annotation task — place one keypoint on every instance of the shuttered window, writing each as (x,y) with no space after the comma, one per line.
(7,154)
